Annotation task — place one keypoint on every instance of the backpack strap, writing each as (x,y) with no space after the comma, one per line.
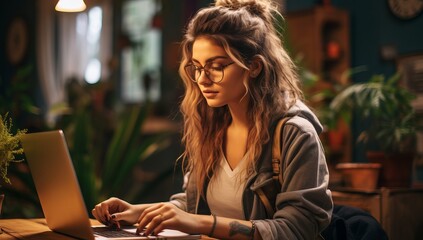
(277,174)
(269,209)
(276,151)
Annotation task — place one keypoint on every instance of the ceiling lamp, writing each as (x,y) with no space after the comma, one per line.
(70,6)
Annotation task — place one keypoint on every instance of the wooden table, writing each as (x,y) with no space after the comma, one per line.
(34,229)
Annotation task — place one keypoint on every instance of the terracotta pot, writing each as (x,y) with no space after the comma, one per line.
(396,169)
(360,176)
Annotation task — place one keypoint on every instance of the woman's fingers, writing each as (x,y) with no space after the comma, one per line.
(156,218)
(150,219)
(154,225)
(148,210)
(101,211)
(160,226)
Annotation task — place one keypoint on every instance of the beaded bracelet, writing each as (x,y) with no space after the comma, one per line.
(253,229)
(213,226)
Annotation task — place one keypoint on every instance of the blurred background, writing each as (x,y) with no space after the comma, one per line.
(108,76)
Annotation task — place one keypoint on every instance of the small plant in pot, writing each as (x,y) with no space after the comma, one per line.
(383,108)
(9,148)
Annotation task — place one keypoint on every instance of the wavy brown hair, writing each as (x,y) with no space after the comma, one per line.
(246,30)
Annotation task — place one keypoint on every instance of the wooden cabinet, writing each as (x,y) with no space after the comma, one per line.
(321,37)
(399,211)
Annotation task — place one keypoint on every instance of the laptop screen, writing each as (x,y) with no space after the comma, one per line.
(56,183)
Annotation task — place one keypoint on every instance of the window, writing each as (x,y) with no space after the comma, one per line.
(141,56)
(76,45)
(88,27)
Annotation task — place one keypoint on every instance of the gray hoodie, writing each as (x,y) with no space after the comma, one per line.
(304,203)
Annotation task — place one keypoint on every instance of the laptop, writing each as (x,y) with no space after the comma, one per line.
(60,196)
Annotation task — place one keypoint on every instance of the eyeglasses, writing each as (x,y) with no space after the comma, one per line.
(214,71)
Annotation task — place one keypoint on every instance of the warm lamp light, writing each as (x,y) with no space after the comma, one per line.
(70,6)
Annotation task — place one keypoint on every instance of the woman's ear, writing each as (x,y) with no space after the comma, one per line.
(255,67)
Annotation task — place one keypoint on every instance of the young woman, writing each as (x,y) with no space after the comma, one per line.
(239,82)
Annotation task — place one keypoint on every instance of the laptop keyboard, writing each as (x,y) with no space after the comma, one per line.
(112,233)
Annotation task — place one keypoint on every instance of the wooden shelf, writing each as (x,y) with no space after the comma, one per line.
(317,34)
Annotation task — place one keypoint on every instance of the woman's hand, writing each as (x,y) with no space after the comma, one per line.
(116,211)
(161,216)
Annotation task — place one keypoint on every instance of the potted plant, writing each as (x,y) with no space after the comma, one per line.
(384,110)
(9,147)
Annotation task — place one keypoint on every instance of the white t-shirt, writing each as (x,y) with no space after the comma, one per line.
(224,193)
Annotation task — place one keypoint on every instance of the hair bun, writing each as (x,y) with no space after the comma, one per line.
(256,7)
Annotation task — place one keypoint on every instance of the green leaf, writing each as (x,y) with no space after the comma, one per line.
(386,104)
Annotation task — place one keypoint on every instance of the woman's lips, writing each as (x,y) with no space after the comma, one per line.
(209,93)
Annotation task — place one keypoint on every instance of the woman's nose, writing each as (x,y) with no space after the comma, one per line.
(203,79)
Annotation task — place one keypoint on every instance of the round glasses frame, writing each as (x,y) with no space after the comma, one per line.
(206,69)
